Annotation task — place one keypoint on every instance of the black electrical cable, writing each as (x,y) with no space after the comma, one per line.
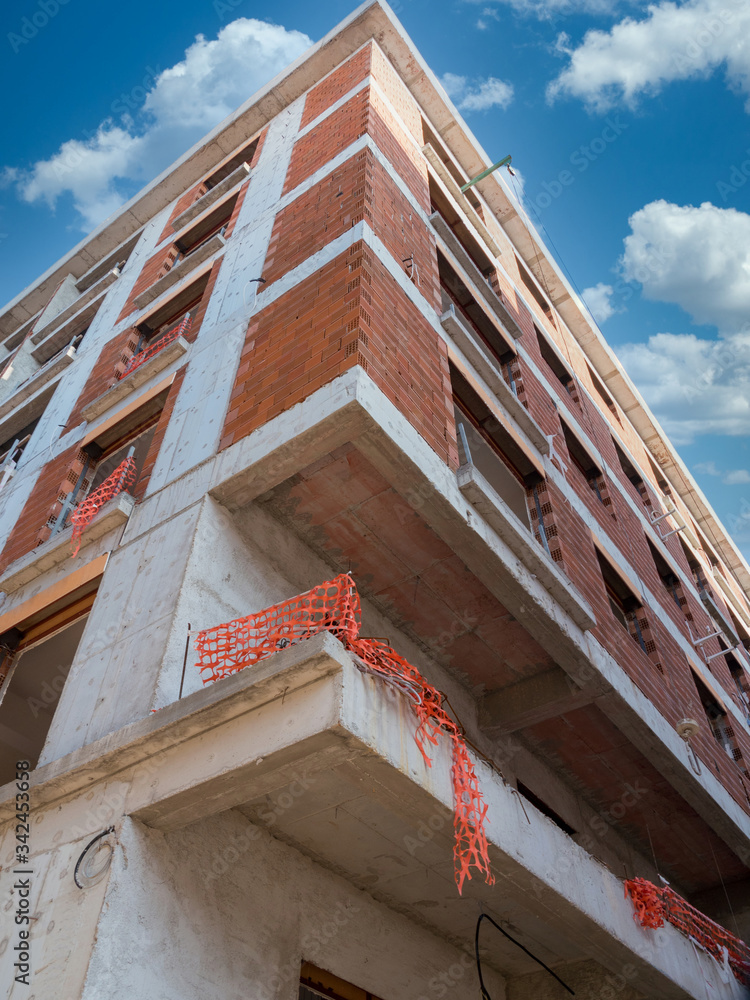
(85,851)
(483,988)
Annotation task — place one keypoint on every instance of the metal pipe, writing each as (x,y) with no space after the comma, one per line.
(184,661)
(485,173)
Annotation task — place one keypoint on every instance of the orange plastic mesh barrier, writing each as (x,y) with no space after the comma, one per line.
(334,607)
(139,359)
(123,476)
(654,905)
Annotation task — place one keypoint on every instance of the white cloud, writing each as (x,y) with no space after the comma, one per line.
(698,258)
(477,94)
(216,76)
(694,385)
(707,468)
(683,41)
(598,298)
(733,477)
(488,14)
(184,102)
(87,169)
(736,477)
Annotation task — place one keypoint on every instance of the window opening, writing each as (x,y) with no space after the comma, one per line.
(625,606)
(740,678)
(460,230)
(316,983)
(491,449)
(541,526)
(545,810)
(670,580)
(12,450)
(556,365)
(455,292)
(720,723)
(659,477)
(202,232)
(243,155)
(100,462)
(532,287)
(628,468)
(30,692)
(587,467)
(603,394)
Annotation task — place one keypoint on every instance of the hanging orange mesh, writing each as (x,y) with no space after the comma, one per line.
(139,359)
(654,905)
(334,607)
(123,476)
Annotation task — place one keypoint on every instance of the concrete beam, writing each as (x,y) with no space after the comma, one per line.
(531,701)
(309,714)
(352,409)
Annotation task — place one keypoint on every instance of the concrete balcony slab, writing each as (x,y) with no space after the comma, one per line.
(56,549)
(307,728)
(180,270)
(120,390)
(211,197)
(477,279)
(468,342)
(63,317)
(517,536)
(34,383)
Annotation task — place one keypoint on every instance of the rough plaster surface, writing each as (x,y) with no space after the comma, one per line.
(222,911)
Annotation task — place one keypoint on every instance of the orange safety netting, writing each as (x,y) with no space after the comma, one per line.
(654,905)
(139,359)
(123,476)
(334,607)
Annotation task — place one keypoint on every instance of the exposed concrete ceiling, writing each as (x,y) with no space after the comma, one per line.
(352,517)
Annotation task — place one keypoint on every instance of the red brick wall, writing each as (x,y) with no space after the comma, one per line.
(336,84)
(153,269)
(360,188)
(102,375)
(365,113)
(397,93)
(182,203)
(319,216)
(350,312)
(337,131)
(23,537)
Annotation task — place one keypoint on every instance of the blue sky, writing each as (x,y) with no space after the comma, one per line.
(628,123)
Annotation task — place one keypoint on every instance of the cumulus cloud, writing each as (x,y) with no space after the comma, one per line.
(477,94)
(694,385)
(697,258)
(598,298)
(181,104)
(674,41)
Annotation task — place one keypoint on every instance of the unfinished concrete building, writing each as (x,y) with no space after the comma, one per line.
(308,350)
